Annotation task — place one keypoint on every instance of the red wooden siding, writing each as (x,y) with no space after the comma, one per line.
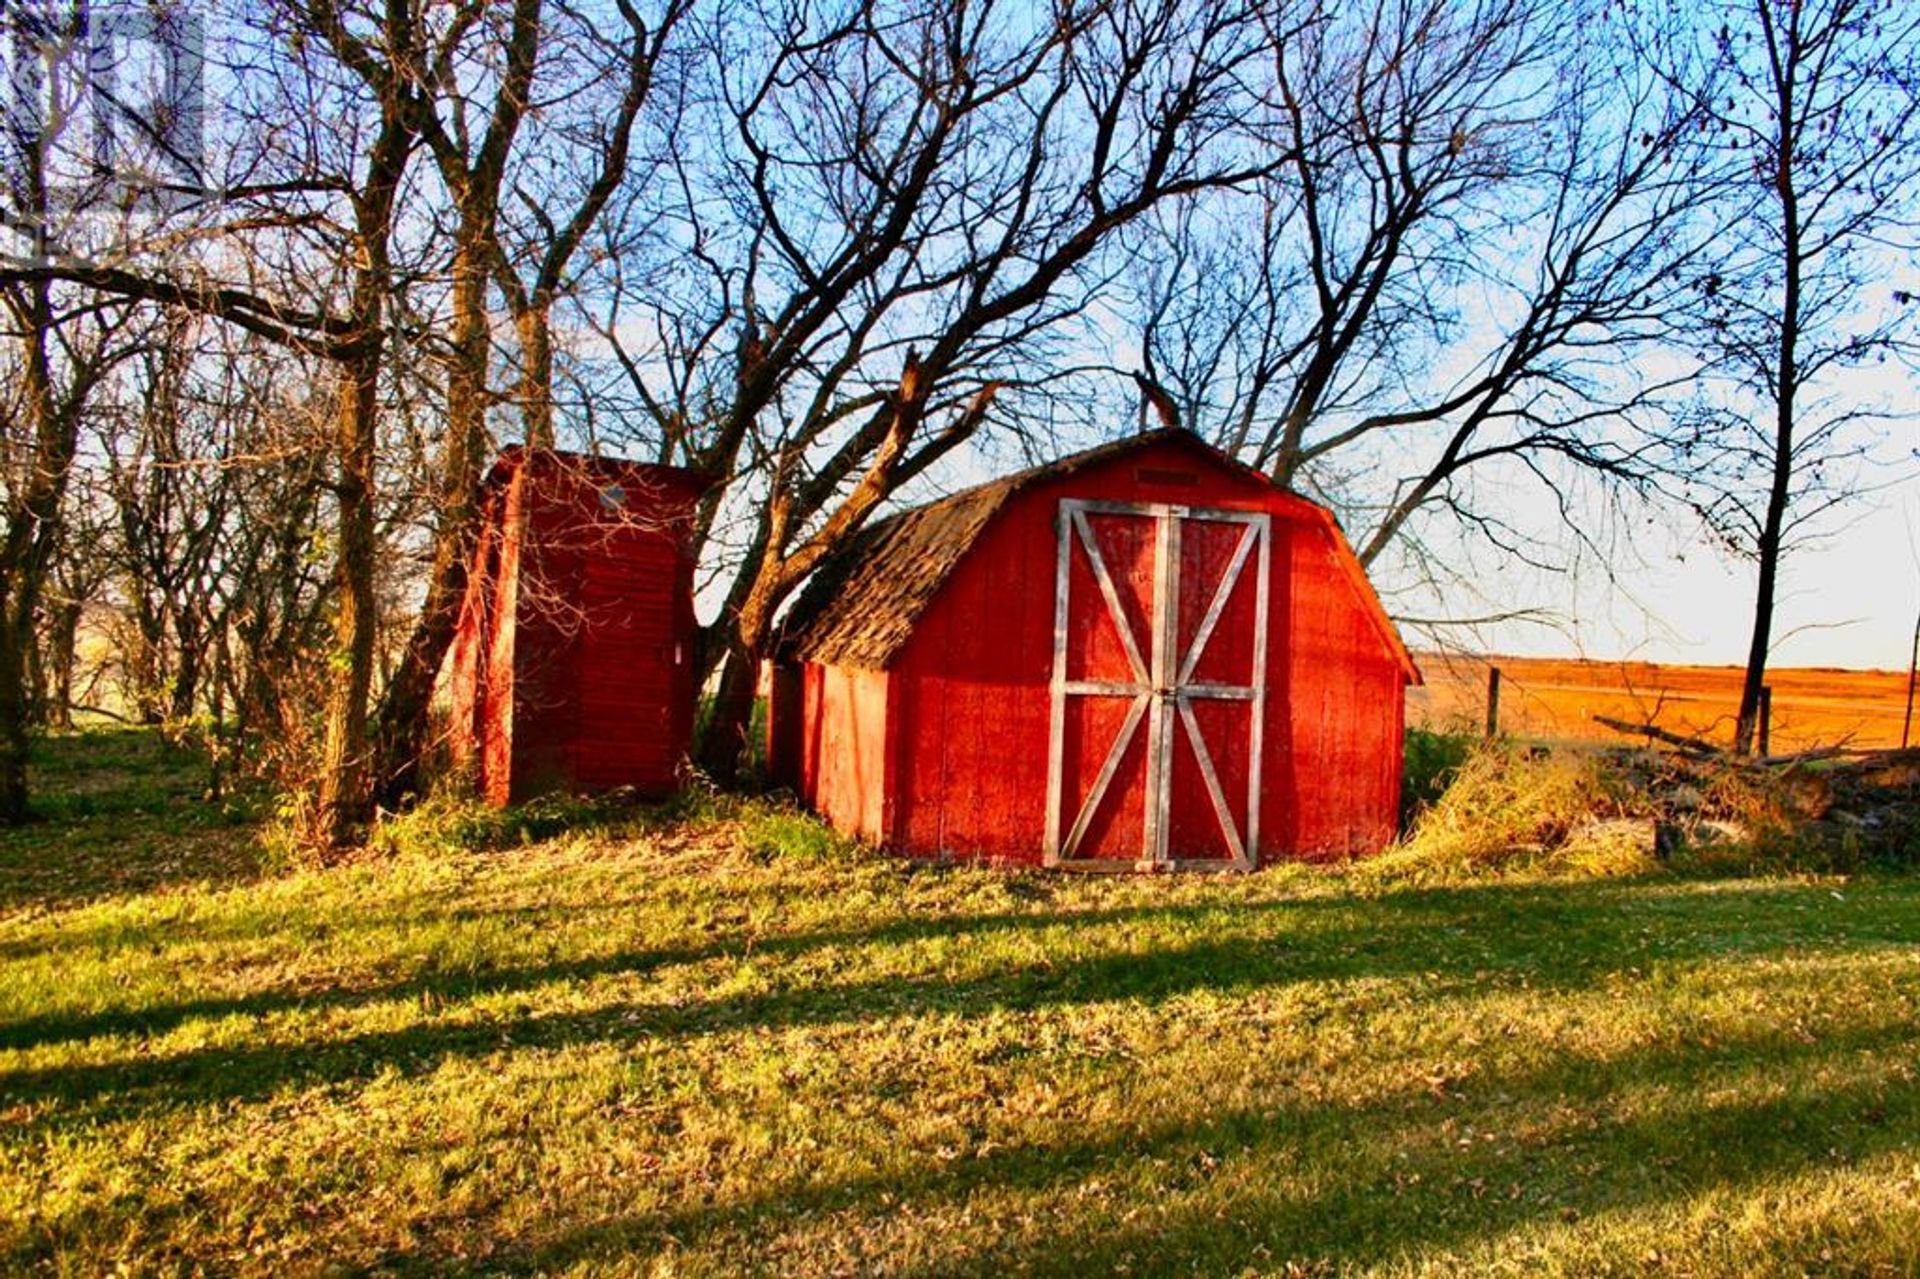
(964,712)
(844,748)
(466,670)
(572,669)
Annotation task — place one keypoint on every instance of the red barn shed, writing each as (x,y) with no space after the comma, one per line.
(573,665)
(1142,656)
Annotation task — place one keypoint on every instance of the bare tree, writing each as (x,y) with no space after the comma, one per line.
(76,582)
(567,176)
(169,520)
(884,215)
(325,214)
(64,345)
(298,247)
(272,590)
(1483,221)
(1816,112)
(65,348)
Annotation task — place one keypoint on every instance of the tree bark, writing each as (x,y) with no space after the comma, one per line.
(144,664)
(27,548)
(344,803)
(474,179)
(188,639)
(36,677)
(535,323)
(723,743)
(63,629)
(748,623)
(1772,531)
(345,798)
(14,739)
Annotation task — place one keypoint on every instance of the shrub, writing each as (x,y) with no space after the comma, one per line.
(1508,806)
(1433,756)
(1812,817)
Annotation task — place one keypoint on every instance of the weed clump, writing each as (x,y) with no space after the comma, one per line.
(1818,816)
(773,832)
(760,829)
(1587,812)
(450,822)
(1509,806)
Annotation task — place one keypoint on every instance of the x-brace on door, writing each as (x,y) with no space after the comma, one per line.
(1158,699)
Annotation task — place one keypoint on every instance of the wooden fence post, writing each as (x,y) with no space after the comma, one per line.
(1493,701)
(1913,676)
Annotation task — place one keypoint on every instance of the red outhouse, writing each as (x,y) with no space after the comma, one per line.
(1142,656)
(572,668)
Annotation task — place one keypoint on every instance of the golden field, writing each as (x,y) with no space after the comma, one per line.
(1559,698)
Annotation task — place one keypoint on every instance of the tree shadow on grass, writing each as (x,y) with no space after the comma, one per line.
(297,921)
(442,987)
(1541,938)
(1393,1188)
(1516,915)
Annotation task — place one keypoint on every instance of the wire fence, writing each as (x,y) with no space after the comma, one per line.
(1569,699)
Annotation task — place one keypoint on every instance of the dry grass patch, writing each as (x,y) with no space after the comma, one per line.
(1493,808)
(1511,807)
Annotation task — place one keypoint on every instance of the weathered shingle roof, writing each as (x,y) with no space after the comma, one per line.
(861,606)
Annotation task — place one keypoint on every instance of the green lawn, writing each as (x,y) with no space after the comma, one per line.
(672,1048)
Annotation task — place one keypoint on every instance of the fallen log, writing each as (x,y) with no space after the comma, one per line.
(1686,745)
(1806,757)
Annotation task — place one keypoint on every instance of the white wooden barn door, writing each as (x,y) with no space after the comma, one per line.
(1159,686)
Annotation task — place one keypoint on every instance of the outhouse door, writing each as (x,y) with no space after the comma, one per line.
(1159,686)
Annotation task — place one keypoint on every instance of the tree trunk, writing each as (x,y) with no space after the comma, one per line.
(217,738)
(344,804)
(26,550)
(186,675)
(143,665)
(63,630)
(13,717)
(474,179)
(1770,546)
(748,614)
(1786,381)
(405,717)
(345,800)
(36,678)
(535,323)
(723,743)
